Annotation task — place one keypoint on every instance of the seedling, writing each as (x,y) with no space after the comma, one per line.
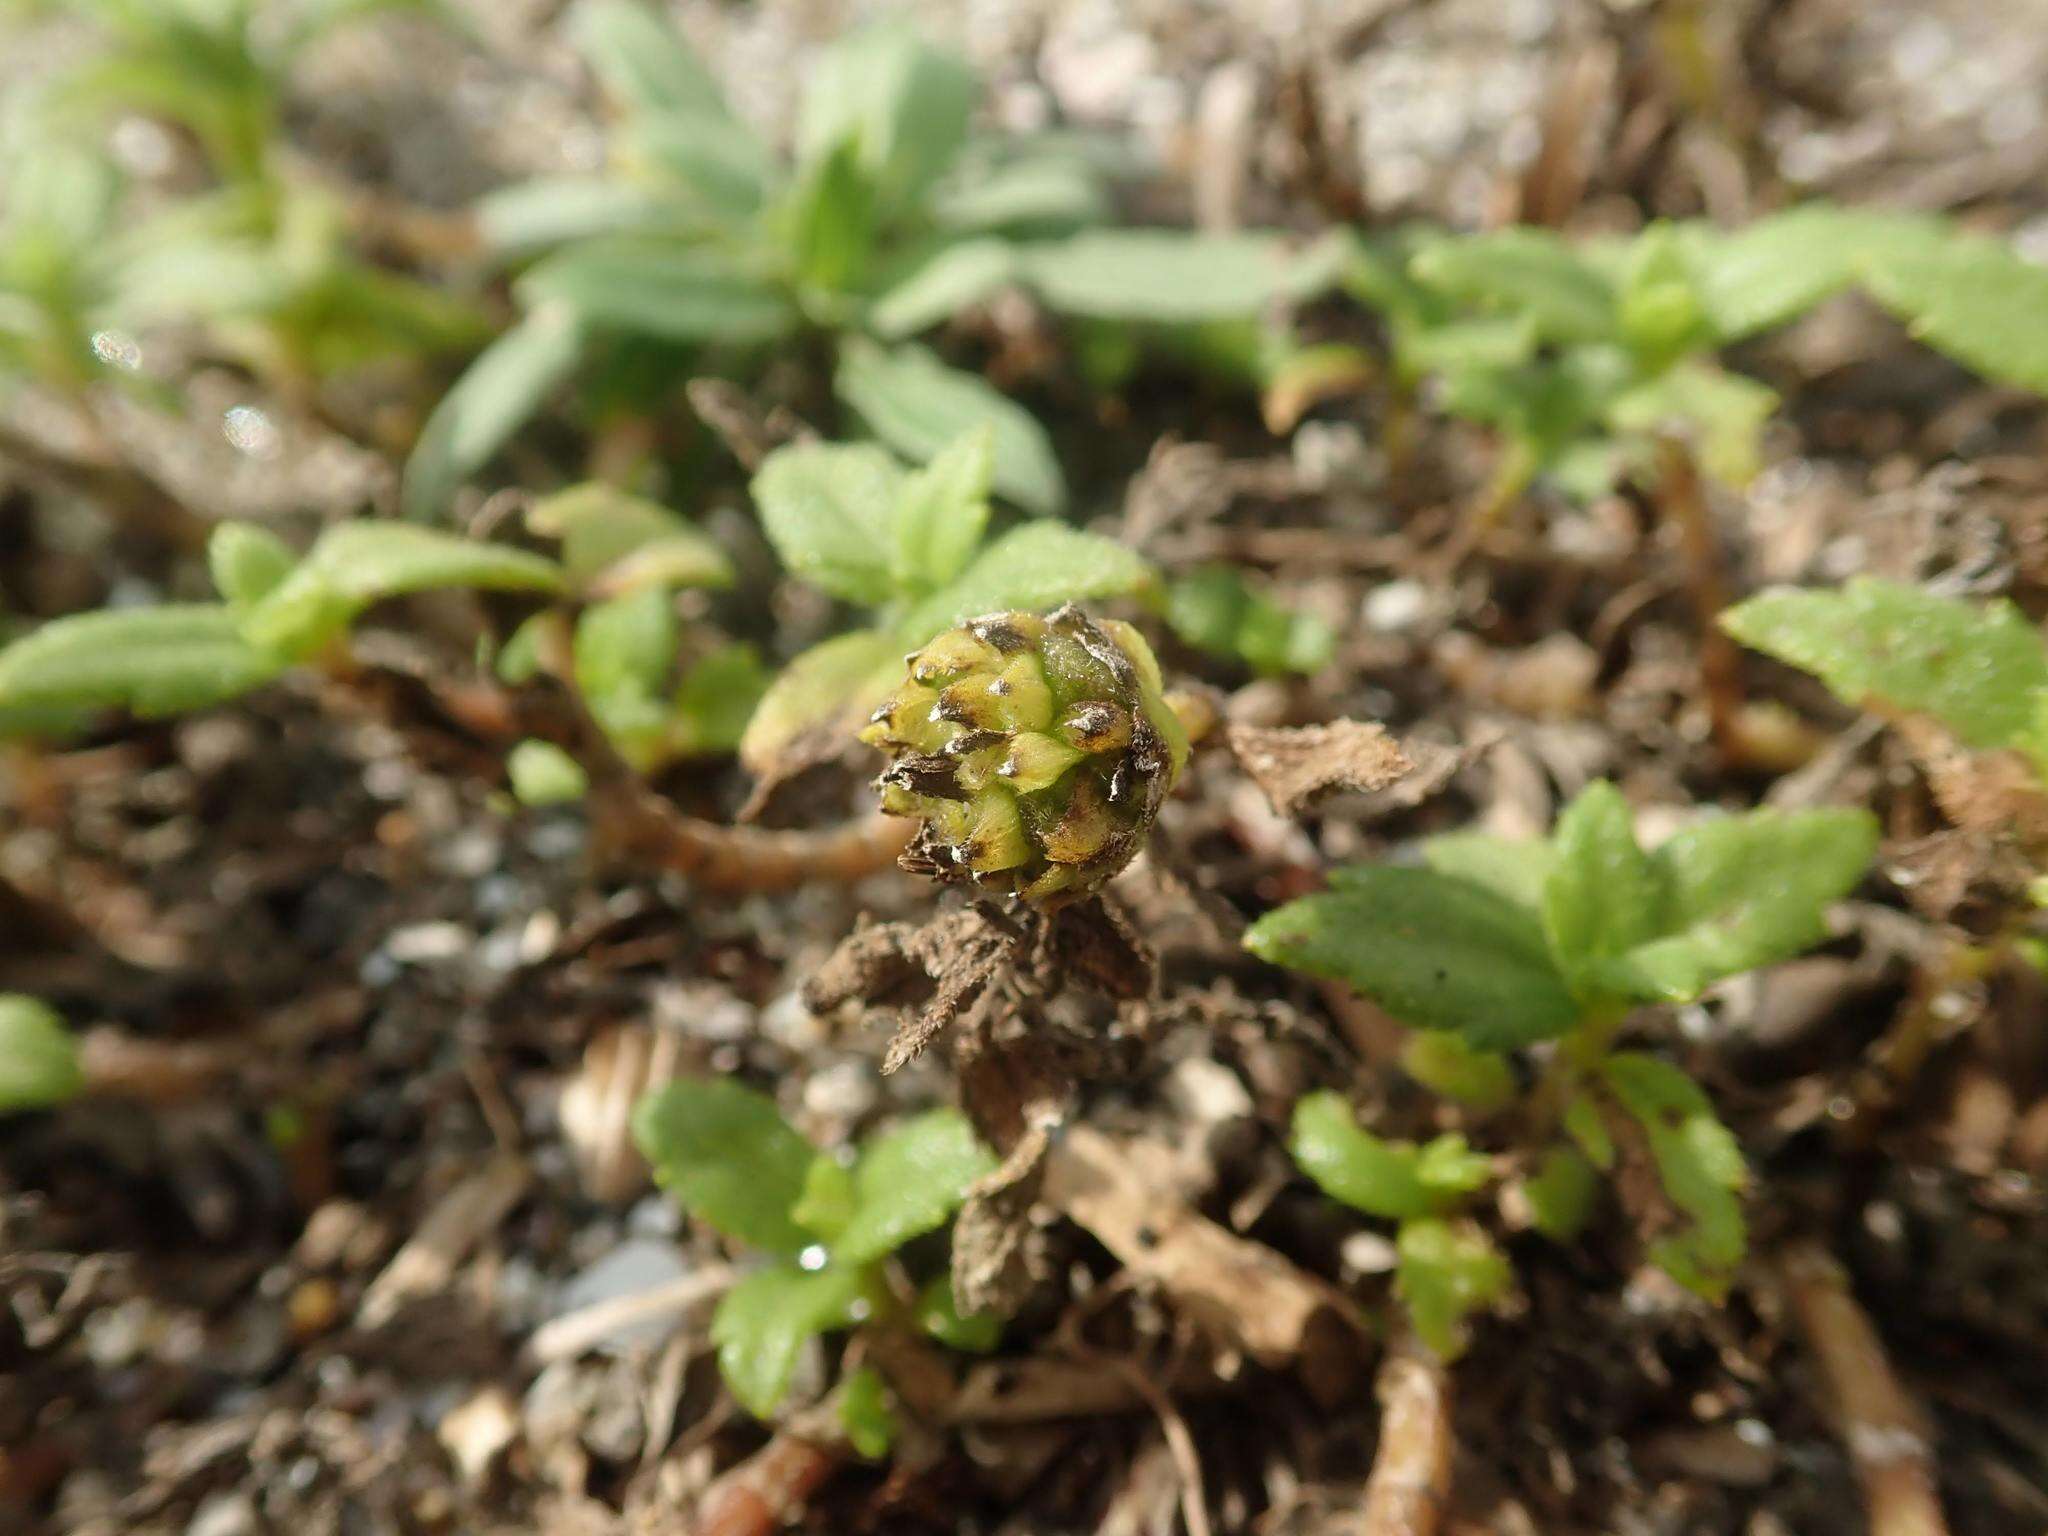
(911,547)
(38,1056)
(1581,356)
(888,216)
(1495,946)
(825,1227)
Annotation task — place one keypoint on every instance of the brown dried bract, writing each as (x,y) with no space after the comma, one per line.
(1296,765)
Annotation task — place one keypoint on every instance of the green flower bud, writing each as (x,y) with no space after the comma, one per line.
(1036,751)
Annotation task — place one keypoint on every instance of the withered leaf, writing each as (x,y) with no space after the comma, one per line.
(1295,765)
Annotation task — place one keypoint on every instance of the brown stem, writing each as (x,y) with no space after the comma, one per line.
(1877,1420)
(1410,1483)
(760,1494)
(1683,500)
(118,1065)
(1922,1023)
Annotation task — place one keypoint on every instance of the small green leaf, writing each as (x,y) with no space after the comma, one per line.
(354,565)
(1033,567)
(154,661)
(658,288)
(830,511)
(1584,1124)
(827,1202)
(503,388)
(1977,300)
(1445,1272)
(543,774)
(1561,1193)
(952,279)
(1742,892)
(1435,951)
(1215,610)
(613,542)
(1037,193)
(534,216)
(918,406)
(833,685)
(909,1181)
(729,1156)
(943,512)
(1158,275)
(1603,895)
(1774,270)
(247,562)
(901,103)
(642,60)
(626,644)
(716,698)
(1523,271)
(1518,870)
(765,1321)
(1722,416)
(831,221)
(1445,1064)
(1395,1179)
(939,1315)
(1698,1163)
(865,1414)
(38,1056)
(1973,666)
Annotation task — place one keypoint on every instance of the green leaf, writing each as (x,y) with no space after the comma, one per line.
(1777,268)
(1742,892)
(1561,1193)
(1584,1124)
(613,542)
(642,61)
(1447,1065)
(1523,271)
(1445,1272)
(520,221)
(903,105)
(828,1200)
(659,288)
(1698,1163)
(952,279)
(729,1156)
(1395,1179)
(832,220)
(1518,870)
(830,511)
(1032,193)
(865,1414)
(841,681)
(1033,567)
(1215,610)
(1973,666)
(354,565)
(500,392)
(943,512)
(1722,415)
(1977,300)
(154,661)
(38,1057)
(1435,951)
(917,405)
(765,1320)
(909,1181)
(624,648)
(939,1315)
(1603,895)
(1158,275)
(716,698)
(247,562)
(543,774)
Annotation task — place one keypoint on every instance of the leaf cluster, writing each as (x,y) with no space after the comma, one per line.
(823,1224)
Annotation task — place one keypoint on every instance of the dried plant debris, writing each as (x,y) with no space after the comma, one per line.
(1297,765)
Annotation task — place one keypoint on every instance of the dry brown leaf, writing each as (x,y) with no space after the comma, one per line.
(1294,765)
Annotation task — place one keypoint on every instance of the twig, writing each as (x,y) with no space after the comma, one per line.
(1180,1444)
(1880,1424)
(572,1333)
(762,1492)
(1411,1472)
(118,1065)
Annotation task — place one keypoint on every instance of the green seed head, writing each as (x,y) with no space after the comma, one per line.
(1035,750)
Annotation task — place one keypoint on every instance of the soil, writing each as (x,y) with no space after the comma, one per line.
(305,1272)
